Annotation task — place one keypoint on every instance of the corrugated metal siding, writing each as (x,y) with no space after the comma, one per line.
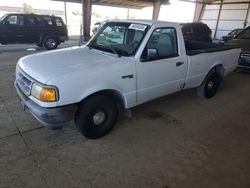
(232,16)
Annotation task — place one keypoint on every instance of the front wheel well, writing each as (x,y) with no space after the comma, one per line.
(113,94)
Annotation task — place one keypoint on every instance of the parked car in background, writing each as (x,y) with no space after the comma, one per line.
(232,34)
(143,60)
(43,30)
(197,31)
(242,40)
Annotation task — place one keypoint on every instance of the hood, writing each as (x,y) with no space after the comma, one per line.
(242,43)
(47,65)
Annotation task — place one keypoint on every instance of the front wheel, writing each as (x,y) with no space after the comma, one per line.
(96,116)
(209,86)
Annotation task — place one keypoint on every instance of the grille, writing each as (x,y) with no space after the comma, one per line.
(245,55)
(24,83)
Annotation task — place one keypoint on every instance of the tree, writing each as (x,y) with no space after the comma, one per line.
(132,16)
(117,17)
(27,8)
(96,14)
(76,13)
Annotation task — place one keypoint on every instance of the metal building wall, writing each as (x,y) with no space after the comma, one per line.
(231,16)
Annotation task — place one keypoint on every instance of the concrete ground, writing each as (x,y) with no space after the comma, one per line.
(178,141)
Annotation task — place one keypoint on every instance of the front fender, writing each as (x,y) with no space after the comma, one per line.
(99,88)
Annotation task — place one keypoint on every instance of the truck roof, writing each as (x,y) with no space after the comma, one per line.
(147,22)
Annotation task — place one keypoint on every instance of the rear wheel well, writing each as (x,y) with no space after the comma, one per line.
(45,35)
(218,69)
(212,82)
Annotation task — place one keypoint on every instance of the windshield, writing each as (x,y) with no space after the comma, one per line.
(119,38)
(245,34)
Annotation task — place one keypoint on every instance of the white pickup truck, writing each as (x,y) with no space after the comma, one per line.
(126,63)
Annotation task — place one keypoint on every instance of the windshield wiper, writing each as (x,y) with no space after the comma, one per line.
(111,48)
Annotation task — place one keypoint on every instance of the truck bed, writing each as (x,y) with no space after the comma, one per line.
(197,47)
(204,56)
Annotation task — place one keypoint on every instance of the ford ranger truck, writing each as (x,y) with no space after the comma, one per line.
(126,63)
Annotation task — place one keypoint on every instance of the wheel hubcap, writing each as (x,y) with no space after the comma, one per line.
(99,117)
(51,43)
(210,85)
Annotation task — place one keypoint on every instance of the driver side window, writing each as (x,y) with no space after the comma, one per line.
(15,20)
(162,44)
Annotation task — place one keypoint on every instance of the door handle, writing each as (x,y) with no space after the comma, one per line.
(128,76)
(179,63)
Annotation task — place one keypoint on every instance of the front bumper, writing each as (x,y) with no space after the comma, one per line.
(63,38)
(244,61)
(51,118)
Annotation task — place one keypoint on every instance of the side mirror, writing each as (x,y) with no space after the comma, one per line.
(152,53)
(149,54)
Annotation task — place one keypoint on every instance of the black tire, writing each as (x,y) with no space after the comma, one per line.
(89,118)
(210,85)
(50,43)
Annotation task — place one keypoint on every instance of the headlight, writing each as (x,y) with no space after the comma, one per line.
(43,93)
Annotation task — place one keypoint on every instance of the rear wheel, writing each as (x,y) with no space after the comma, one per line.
(96,116)
(50,43)
(209,86)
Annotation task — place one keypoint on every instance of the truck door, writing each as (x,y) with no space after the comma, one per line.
(13,29)
(162,69)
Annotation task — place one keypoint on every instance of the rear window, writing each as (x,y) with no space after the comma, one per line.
(201,28)
(48,20)
(186,29)
(196,28)
(59,22)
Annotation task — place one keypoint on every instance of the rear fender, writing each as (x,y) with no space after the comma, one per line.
(45,35)
(218,69)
